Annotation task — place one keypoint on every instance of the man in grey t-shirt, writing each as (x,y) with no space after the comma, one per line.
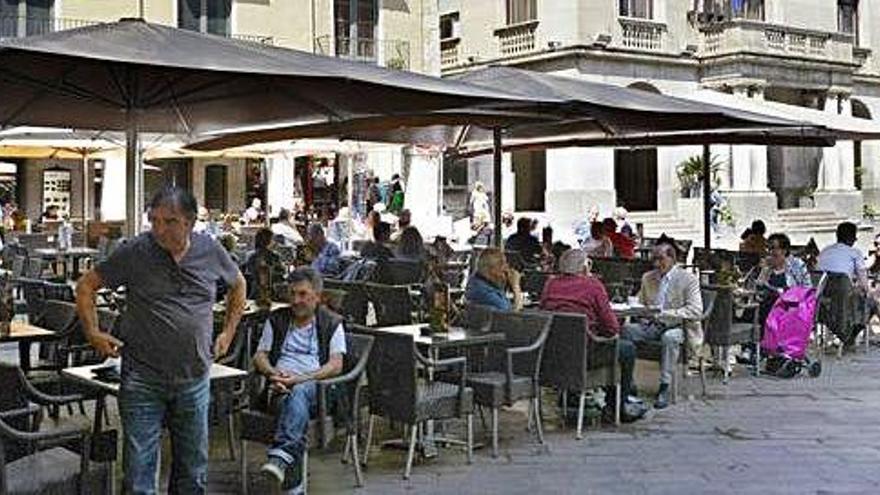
(164,337)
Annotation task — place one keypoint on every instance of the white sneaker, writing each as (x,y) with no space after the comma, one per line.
(274,469)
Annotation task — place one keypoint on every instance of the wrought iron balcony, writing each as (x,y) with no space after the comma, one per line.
(394,54)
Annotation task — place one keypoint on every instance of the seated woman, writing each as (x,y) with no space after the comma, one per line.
(598,245)
(411,246)
(779,272)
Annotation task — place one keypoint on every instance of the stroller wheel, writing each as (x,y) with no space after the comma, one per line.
(789,369)
(815,369)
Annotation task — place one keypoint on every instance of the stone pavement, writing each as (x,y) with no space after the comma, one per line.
(755,435)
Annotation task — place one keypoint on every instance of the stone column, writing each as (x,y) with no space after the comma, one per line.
(829,169)
(745,186)
(279,182)
(113,181)
(578,178)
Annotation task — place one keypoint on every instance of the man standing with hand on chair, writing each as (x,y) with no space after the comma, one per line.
(170,275)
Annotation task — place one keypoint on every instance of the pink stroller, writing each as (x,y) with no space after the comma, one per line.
(787,332)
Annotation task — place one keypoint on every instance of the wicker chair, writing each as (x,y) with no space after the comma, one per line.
(354,304)
(393,304)
(513,371)
(577,360)
(653,350)
(258,424)
(404,272)
(32,461)
(397,394)
(842,310)
(724,331)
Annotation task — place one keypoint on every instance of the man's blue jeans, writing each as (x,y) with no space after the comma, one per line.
(294,411)
(145,406)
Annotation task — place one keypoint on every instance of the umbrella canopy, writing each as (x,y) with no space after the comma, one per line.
(180,81)
(139,77)
(587,112)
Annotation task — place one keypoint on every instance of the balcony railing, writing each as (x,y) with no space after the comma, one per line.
(517,39)
(755,37)
(255,38)
(449,52)
(394,54)
(641,34)
(18,26)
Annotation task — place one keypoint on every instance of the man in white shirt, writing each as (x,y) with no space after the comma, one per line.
(298,346)
(283,228)
(842,257)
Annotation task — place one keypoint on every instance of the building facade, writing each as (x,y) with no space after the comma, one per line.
(813,53)
(398,34)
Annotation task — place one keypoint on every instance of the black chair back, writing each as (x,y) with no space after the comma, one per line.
(404,272)
(392,303)
(533,281)
(522,330)
(840,307)
(717,331)
(58,316)
(565,354)
(477,317)
(391,373)
(354,304)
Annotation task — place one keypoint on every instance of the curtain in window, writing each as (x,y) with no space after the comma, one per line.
(847,16)
(642,9)
(189,14)
(218,16)
(39,16)
(8,18)
(521,11)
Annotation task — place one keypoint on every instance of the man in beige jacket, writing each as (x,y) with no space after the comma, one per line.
(676,292)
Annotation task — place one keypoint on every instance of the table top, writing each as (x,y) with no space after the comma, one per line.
(623,310)
(74,251)
(455,337)
(83,374)
(251,308)
(20,331)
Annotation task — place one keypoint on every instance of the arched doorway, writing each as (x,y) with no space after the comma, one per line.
(860,111)
(635,171)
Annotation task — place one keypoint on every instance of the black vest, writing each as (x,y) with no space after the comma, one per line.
(326,323)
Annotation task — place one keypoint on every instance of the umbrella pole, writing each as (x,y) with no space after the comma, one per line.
(85,197)
(133,176)
(496,185)
(707,198)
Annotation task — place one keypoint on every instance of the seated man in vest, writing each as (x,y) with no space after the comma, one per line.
(676,292)
(297,347)
(576,291)
(489,285)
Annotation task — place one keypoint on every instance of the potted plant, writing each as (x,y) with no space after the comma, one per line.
(690,174)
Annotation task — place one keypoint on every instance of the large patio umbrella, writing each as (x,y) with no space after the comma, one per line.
(134,76)
(588,113)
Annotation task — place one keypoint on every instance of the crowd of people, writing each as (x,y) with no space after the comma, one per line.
(176,271)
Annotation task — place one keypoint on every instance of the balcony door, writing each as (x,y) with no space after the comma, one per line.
(205,16)
(25,17)
(355,28)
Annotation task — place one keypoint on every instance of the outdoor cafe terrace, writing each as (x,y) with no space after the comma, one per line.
(731,426)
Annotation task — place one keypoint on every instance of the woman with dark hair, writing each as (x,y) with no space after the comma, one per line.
(263,255)
(779,271)
(753,240)
(411,245)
